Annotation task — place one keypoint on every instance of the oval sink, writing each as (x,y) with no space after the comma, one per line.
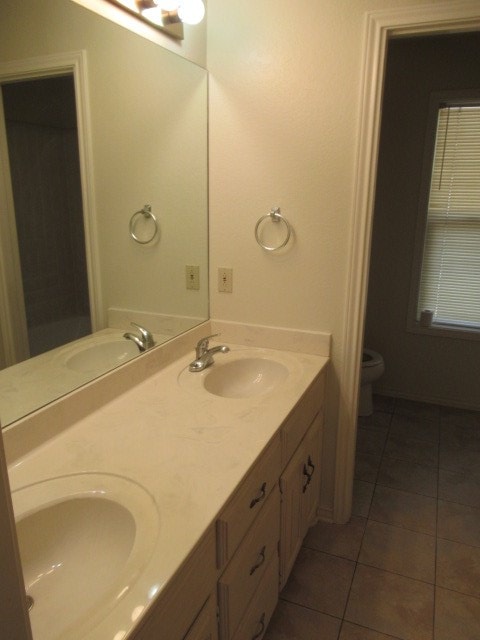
(244,377)
(102,355)
(84,540)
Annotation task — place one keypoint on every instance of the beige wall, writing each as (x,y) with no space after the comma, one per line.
(284,109)
(423,367)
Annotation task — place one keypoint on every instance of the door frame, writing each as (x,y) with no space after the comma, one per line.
(13,322)
(380,26)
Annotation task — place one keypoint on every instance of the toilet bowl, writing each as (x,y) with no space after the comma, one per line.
(372,368)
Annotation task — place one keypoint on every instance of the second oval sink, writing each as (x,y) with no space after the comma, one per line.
(244,377)
(84,539)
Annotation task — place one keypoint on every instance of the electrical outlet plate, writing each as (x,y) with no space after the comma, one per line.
(225,279)
(192,277)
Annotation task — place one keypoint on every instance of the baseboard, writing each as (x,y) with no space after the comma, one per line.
(429,399)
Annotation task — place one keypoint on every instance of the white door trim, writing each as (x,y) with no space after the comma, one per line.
(379,27)
(76,63)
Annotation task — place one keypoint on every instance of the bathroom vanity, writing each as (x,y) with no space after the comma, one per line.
(215,480)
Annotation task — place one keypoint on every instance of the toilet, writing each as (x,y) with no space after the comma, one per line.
(372,368)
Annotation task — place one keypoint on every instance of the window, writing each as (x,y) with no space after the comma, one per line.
(449,279)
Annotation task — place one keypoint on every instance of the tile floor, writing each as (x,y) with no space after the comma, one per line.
(407,565)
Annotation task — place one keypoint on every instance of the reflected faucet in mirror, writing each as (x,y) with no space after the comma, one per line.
(144,341)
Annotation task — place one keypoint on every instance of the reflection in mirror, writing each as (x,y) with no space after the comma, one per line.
(142,135)
(41,127)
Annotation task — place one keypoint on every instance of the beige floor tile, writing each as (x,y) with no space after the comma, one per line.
(391,604)
(408,476)
(342,540)
(401,551)
(362,497)
(371,441)
(383,403)
(319,581)
(459,486)
(453,435)
(403,509)
(415,427)
(457,616)
(354,632)
(458,567)
(459,523)
(413,450)
(293,622)
(417,409)
(460,460)
(367,466)
(378,420)
(462,417)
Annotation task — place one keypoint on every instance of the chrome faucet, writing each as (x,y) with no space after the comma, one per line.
(144,341)
(204,355)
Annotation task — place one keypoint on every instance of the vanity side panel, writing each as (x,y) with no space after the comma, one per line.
(175,609)
(205,626)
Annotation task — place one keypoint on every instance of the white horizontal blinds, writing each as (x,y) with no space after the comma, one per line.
(450,279)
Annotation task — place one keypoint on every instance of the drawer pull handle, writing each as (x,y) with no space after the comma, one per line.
(261,495)
(261,624)
(259,562)
(307,473)
(310,464)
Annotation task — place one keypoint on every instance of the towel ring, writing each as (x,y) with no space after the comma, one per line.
(276,217)
(146,212)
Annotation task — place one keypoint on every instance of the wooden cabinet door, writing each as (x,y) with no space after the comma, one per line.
(312,447)
(300,489)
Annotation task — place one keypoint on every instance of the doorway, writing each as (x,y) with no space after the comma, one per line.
(42,138)
(380,27)
(433,367)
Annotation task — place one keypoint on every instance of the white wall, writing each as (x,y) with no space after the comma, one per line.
(284,126)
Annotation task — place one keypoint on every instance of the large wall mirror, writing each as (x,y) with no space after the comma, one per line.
(95,123)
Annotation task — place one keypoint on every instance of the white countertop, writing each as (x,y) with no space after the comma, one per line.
(187,448)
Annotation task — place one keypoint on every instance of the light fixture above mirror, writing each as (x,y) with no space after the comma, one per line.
(167,15)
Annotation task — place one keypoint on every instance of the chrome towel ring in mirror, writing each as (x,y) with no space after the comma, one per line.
(146,212)
(275,216)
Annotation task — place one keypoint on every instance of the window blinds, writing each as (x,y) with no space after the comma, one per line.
(450,276)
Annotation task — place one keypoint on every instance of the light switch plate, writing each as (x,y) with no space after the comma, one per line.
(192,277)
(225,279)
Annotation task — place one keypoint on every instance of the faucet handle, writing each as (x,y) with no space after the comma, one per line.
(202,345)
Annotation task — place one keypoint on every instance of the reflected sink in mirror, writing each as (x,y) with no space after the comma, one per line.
(102,356)
(241,373)
(244,378)
(84,540)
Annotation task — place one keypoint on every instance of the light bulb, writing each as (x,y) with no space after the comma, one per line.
(191,11)
(168,5)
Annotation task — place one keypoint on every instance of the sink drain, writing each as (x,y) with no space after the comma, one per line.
(30,602)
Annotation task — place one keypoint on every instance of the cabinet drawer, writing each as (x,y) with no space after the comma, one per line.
(245,571)
(256,618)
(296,425)
(241,510)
